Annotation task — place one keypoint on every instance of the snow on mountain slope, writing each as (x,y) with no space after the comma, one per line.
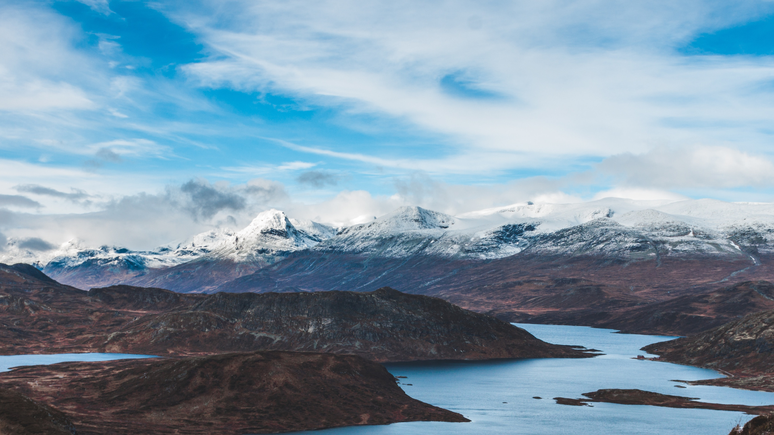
(314,230)
(407,231)
(269,237)
(73,253)
(415,230)
(611,226)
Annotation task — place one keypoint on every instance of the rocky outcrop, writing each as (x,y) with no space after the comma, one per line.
(264,392)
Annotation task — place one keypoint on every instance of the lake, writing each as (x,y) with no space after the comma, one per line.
(9,361)
(498,395)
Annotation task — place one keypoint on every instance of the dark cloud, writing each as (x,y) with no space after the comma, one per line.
(265,190)
(36,244)
(102,156)
(18,201)
(108,155)
(205,200)
(7,217)
(318,179)
(36,189)
(3,242)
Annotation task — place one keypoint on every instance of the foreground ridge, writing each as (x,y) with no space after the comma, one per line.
(261,392)
(42,316)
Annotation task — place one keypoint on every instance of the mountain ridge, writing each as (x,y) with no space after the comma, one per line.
(614,229)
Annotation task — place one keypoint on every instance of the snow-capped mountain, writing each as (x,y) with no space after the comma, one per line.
(609,227)
(271,236)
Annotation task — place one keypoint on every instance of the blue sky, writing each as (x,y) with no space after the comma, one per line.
(340,110)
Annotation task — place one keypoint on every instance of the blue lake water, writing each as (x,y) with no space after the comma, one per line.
(478,391)
(9,361)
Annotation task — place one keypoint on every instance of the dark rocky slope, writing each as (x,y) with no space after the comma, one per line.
(20,415)
(691,314)
(744,346)
(39,315)
(264,392)
(431,275)
(583,289)
(572,301)
(384,325)
(742,349)
(760,425)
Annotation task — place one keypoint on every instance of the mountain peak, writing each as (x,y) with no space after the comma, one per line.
(414,217)
(268,222)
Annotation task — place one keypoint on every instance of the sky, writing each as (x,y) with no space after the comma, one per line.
(140,123)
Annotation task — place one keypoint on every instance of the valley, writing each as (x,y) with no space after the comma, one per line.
(414,285)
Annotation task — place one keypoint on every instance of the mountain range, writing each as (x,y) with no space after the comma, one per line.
(610,254)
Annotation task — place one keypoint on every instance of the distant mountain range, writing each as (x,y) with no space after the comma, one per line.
(416,249)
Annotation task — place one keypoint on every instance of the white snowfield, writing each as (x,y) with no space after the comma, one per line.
(611,226)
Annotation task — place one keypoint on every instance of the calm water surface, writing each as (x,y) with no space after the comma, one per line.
(498,395)
(7,362)
(478,391)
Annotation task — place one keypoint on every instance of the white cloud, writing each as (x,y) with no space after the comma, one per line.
(132,148)
(294,166)
(639,194)
(265,170)
(702,167)
(35,62)
(100,6)
(586,78)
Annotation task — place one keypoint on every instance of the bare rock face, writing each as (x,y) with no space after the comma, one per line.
(384,325)
(263,392)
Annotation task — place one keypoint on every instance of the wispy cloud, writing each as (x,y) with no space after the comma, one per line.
(18,201)
(36,189)
(587,78)
(100,6)
(690,167)
(36,62)
(342,110)
(268,170)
